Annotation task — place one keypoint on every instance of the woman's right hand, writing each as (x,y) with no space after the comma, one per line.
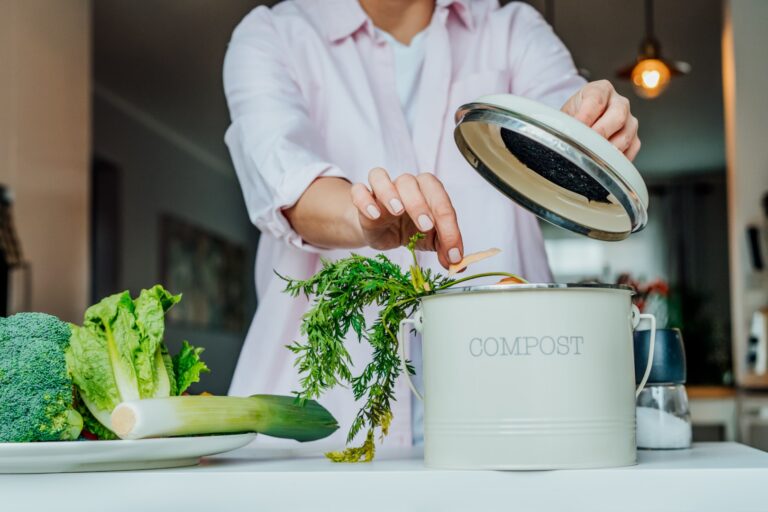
(390,212)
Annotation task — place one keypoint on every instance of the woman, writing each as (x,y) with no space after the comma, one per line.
(342,118)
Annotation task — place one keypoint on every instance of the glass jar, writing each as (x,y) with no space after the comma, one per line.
(663,417)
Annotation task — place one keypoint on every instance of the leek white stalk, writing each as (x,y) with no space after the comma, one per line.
(276,416)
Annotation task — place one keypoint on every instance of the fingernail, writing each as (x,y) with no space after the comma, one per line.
(425,223)
(373,211)
(454,255)
(396,205)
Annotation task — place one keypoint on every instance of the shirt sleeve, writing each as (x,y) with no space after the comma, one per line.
(542,67)
(276,149)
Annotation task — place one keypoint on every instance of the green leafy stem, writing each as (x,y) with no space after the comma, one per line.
(340,291)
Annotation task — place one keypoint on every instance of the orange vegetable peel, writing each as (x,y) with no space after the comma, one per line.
(469,259)
(512,280)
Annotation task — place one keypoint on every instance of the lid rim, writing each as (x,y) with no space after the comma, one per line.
(538,210)
(529,287)
(584,158)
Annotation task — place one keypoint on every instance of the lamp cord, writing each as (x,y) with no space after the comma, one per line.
(649,19)
(549,12)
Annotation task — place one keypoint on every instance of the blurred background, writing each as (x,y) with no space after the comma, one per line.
(115,175)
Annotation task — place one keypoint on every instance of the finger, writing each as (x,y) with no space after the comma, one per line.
(623,138)
(449,244)
(615,117)
(365,202)
(414,202)
(634,148)
(592,101)
(385,191)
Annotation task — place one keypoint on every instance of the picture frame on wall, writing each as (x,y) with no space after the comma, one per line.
(209,270)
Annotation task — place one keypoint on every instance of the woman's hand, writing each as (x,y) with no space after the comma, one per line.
(390,212)
(600,107)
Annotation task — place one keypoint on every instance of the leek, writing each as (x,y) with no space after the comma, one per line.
(271,415)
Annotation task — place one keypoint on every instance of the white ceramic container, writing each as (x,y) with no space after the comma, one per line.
(535,376)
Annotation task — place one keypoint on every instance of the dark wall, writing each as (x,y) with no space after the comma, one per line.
(156,178)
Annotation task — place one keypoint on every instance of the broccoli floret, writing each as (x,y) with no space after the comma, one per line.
(36,392)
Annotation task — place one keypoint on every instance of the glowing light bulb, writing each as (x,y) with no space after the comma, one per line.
(650,77)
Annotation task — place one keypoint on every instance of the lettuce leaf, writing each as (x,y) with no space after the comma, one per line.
(93,425)
(151,306)
(90,367)
(112,323)
(188,366)
(168,363)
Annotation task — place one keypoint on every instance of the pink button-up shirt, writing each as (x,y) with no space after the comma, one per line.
(311,91)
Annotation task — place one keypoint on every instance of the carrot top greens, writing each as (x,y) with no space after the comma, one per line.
(341,290)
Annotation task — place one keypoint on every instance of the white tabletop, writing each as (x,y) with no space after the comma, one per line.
(711,476)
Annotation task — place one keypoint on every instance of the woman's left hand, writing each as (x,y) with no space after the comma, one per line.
(600,107)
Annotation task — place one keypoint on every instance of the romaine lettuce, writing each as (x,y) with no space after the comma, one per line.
(118,354)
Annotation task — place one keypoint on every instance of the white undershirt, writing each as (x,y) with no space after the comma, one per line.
(409,60)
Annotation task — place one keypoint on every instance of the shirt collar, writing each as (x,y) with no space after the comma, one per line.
(342,18)
(462,9)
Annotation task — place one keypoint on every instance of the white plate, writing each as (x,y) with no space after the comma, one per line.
(77,456)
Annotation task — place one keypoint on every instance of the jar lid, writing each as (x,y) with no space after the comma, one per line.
(553,165)
(668,357)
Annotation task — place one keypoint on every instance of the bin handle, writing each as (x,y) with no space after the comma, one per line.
(637,317)
(402,341)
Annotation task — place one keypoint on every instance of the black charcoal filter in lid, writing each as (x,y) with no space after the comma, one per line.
(553,165)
